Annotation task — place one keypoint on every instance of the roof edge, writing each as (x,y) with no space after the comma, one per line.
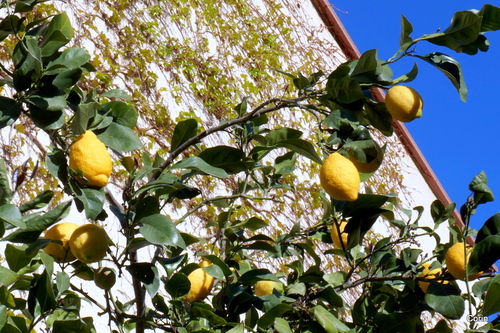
(337,29)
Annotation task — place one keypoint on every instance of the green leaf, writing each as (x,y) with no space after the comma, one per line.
(142,271)
(120,138)
(464,30)
(342,87)
(492,299)
(406,29)
(47,119)
(5,191)
(90,200)
(368,68)
(449,67)
(178,285)
(83,114)
(490,227)
(485,254)
(282,326)
(254,223)
(40,201)
(328,321)
(479,185)
(36,223)
(16,257)
(62,282)
(27,59)
(198,164)
(183,131)
(440,213)
(57,164)
(378,116)
(59,33)
(123,113)
(117,93)
(11,24)
(7,277)
(9,111)
(72,58)
(268,318)
(445,299)
(159,229)
(441,327)
(48,101)
(11,214)
(68,79)
(410,76)
(491,18)
(242,108)
(199,311)
(302,147)
(231,159)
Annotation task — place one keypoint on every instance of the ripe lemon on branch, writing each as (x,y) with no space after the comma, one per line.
(60,232)
(201,283)
(89,243)
(456,261)
(340,178)
(430,275)
(89,155)
(404,103)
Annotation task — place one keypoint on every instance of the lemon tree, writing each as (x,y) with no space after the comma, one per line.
(256,274)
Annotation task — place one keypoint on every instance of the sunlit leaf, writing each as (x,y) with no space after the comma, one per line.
(159,229)
(449,67)
(445,299)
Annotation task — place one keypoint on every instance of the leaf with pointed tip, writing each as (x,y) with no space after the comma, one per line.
(449,67)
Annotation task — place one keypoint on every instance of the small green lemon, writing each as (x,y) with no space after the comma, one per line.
(89,155)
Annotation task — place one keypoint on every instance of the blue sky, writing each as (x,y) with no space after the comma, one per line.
(458,139)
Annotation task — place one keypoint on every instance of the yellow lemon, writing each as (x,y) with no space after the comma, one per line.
(431,275)
(60,232)
(90,155)
(456,262)
(340,178)
(89,243)
(335,235)
(201,283)
(265,287)
(373,164)
(404,103)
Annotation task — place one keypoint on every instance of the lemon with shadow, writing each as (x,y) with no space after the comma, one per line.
(60,232)
(89,156)
(201,283)
(89,243)
(343,237)
(456,261)
(266,287)
(431,275)
(340,178)
(404,103)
